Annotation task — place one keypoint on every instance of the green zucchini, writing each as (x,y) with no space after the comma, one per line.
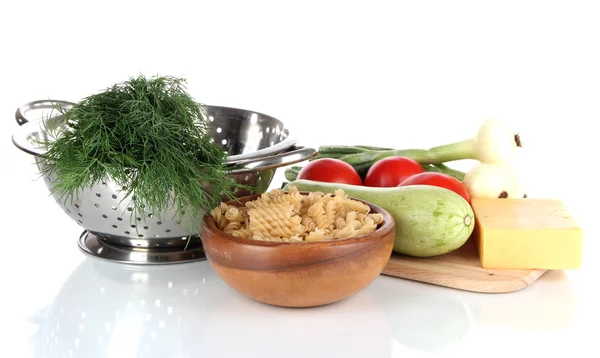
(429,220)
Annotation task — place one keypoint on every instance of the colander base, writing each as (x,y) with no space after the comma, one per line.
(95,246)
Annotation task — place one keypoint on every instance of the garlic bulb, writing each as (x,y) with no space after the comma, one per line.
(491,181)
(496,142)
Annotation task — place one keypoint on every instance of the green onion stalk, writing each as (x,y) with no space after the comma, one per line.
(494,143)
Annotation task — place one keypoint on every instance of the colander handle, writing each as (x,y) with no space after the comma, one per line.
(293,155)
(21,113)
(29,127)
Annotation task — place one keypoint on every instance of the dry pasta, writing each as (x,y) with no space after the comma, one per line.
(280,216)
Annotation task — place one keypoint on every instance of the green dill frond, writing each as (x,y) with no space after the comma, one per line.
(150,137)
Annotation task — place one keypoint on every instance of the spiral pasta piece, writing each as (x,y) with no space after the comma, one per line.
(232,226)
(317,235)
(308,222)
(357,206)
(244,232)
(275,220)
(216,214)
(294,198)
(309,200)
(376,217)
(219,215)
(367,227)
(233,214)
(317,213)
(345,232)
(330,213)
(340,223)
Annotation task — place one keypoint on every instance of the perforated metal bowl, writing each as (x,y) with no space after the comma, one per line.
(258,144)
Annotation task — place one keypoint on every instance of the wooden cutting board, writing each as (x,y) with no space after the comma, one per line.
(460,269)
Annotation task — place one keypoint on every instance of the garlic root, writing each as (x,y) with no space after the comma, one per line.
(491,181)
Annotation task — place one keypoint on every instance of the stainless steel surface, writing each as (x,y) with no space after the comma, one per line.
(291,156)
(103,208)
(41,107)
(106,211)
(244,134)
(94,245)
(248,134)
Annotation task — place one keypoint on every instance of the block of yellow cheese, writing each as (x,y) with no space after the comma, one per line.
(528,233)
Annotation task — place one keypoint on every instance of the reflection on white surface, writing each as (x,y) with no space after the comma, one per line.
(112,310)
(424,320)
(430,325)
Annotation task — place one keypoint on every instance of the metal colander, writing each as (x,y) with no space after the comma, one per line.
(257,145)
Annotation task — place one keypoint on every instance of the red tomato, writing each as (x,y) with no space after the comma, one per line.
(391,171)
(330,170)
(441,180)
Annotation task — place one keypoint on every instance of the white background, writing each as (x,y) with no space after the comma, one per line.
(390,73)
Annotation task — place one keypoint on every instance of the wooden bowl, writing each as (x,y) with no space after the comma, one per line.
(298,274)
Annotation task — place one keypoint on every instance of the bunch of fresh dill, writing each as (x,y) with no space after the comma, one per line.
(149,136)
